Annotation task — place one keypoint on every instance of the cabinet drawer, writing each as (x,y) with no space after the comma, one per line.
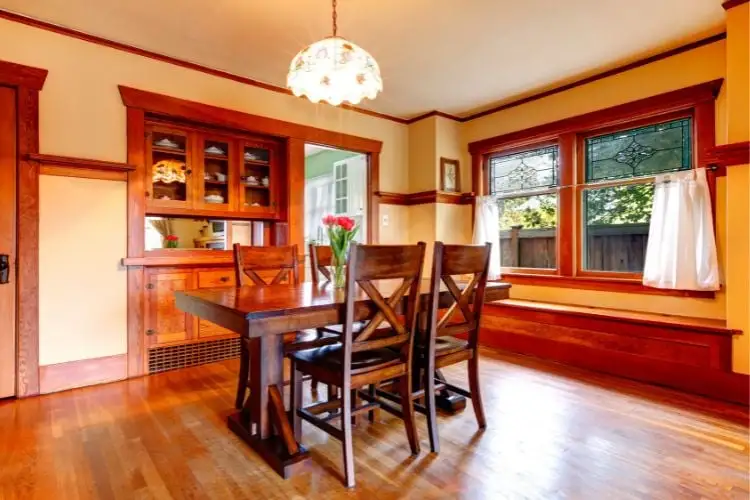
(216,278)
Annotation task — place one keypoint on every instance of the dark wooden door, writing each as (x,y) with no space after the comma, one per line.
(7,242)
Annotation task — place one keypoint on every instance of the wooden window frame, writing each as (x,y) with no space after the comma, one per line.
(696,102)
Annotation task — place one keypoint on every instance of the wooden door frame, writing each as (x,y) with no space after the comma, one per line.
(139,103)
(27,82)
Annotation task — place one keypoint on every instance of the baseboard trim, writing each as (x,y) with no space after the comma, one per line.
(74,374)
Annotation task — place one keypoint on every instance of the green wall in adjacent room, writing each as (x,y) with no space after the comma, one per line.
(321,163)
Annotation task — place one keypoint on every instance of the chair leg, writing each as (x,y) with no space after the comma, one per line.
(346,427)
(371,415)
(355,403)
(295,401)
(314,386)
(430,403)
(333,392)
(407,406)
(476,394)
(244,374)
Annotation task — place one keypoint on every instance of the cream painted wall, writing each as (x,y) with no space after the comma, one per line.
(422,156)
(82,289)
(83,301)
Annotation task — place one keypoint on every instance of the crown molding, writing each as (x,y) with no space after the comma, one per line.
(12,16)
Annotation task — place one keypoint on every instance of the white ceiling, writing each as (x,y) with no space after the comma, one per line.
(456,56)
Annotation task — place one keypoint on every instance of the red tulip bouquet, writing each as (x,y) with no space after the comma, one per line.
(341,232)
(172,241)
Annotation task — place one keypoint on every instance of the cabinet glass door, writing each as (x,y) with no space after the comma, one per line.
(257,183)
(169,179)
(215,176)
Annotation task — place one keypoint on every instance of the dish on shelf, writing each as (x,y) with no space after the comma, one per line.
(220,176)
(213,198)
(265,181)
(214,150)
(251,180)
(168,171)
(252,156)
(167,143)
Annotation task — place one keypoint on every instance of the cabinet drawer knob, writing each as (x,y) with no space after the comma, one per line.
(150,331)
(224,279)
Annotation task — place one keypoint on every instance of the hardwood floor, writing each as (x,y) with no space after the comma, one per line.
(553,432)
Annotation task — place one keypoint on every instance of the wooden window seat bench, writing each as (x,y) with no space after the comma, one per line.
(689,354)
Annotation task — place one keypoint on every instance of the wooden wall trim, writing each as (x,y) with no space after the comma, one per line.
(599,283)
(27,228)
(173,107)
(615,115)
(82,163)
(425,197)
(733,3)
(83,173)
(435,112)
(727,155)
(18,75)
(60,30)
(11,16)
(73,374)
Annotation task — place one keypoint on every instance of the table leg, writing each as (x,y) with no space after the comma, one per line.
(265,409)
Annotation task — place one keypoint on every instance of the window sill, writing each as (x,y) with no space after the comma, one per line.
(597,283)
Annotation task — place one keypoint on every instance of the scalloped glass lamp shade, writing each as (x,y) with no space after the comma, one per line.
(334,70)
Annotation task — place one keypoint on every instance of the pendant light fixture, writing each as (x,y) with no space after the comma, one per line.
(334,70)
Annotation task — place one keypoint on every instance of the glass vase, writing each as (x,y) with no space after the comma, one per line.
(338,269)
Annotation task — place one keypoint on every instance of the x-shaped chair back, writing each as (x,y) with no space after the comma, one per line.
(250,261)
(471,262)
(321,260)
(401,265)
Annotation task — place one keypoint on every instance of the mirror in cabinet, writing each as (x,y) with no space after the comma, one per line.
(258,182)
(215,160)
(200,234)
(168,154)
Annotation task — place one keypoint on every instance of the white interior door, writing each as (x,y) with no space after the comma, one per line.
(7,242)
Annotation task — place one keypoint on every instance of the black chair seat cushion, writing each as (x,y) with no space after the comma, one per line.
(329,357)
(308,339)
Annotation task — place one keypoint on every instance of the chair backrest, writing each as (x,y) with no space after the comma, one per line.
(402,266)
(249,261)
(321,258)
(471,262)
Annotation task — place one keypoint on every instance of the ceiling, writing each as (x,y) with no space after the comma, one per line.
(456,56)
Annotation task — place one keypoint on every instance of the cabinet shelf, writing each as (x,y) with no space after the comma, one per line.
(211,182)
(258,163)
(253,186)
(171,151)
(213,156)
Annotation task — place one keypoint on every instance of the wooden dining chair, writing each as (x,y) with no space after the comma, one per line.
(321,259)
(440,348)
(264,266)
(371,354)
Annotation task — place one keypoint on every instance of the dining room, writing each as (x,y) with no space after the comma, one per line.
(360,249)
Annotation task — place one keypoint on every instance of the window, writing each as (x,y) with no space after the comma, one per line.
(617,212)
(341,188)
(525,184)
(575,196)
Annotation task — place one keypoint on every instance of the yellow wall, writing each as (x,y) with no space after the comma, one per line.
(82,289)
(738,184)
(690,68)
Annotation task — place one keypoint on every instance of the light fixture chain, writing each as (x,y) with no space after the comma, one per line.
(335,25)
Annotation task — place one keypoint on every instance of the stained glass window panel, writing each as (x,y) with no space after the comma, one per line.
(529,170)
(644,151)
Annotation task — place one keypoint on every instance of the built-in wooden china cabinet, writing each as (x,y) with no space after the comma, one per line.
(239,177)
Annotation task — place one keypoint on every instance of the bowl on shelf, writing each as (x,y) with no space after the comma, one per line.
(213,150)
(213,198)
(264,181)
(251,180)
(167,143)
(221,177)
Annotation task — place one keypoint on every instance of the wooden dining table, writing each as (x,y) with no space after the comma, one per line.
(262,314)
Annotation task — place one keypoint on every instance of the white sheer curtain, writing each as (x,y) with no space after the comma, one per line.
(318,202)
(681,251)
(487,229)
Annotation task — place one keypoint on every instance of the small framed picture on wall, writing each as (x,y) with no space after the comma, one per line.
(450,176)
